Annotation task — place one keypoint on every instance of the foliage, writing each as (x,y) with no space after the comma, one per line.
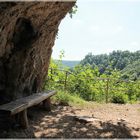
(65,98)
(132,71)
(119,98)
(73,10)
(82,82)
(127,62)
(89,84)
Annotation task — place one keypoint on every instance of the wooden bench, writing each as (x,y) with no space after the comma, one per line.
(21,105)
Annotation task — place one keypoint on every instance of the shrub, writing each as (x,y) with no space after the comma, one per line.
(65,98)
(119,98)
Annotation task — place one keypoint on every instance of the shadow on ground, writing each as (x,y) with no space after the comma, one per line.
(60,123)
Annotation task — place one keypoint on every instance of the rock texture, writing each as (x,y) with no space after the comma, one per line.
(27,35)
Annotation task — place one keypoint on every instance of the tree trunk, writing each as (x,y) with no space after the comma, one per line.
(27,35)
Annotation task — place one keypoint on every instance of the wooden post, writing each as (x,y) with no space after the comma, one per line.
(107,90)
(47,104)
(23,120)
(65,82)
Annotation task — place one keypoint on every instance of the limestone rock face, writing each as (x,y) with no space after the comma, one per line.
(27,35)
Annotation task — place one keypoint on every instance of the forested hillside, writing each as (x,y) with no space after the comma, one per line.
(67,63)
(127,62)
(70,64)
(132,71)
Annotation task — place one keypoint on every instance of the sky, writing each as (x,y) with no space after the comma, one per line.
(99,26)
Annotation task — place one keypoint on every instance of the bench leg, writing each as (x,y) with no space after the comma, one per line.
(23,120)
(47,104)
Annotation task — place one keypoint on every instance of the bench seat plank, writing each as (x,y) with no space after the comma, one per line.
(37,98)
(26,102)
(13,107)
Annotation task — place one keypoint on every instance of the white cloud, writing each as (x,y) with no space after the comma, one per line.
(116,29)
(110,0)
(95,28)
(134,43)
(119,28)
(77,22)
(106,29)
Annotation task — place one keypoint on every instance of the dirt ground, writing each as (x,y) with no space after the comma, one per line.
(112,121)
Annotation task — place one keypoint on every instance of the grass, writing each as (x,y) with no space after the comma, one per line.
(73,100)
(65,98)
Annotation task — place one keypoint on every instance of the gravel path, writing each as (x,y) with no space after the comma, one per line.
(112,121)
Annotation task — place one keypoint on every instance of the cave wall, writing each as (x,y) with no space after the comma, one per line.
(27,35)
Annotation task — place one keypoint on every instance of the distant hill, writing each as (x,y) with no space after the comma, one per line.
(132,71)
(70,63)
(125,61)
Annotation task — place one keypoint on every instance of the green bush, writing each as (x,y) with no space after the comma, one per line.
(84,82)
(119,98)
(65,98)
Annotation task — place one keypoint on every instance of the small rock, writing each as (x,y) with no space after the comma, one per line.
(38,134)
(43,123)
(85,119)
